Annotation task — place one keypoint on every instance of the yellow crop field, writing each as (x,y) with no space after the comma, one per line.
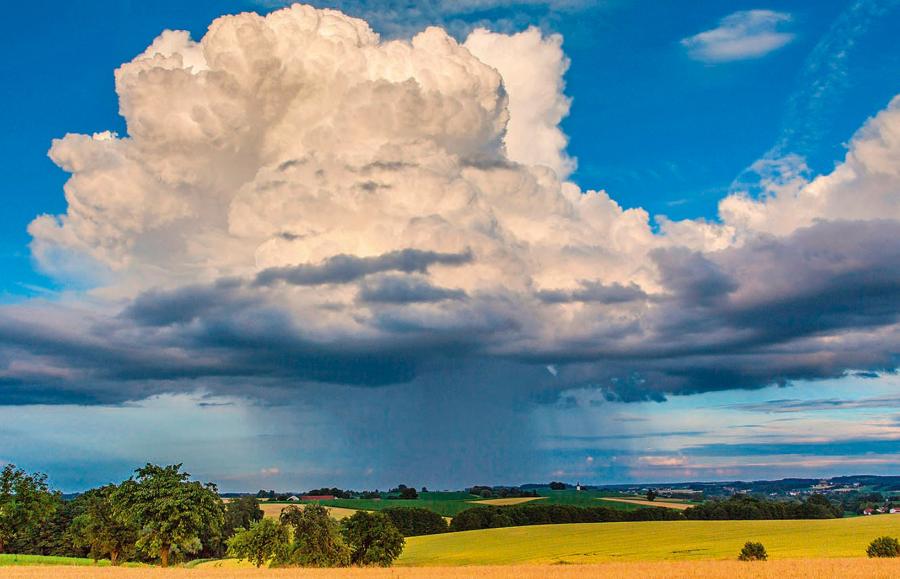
(779,569)
(506,502)
(648,541)
(273,510)
(644,502)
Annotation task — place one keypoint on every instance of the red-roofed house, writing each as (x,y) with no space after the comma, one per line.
(317,498)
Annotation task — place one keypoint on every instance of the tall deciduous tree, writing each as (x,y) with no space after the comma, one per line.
(103,527)
(317,538)
(171,511)
(25,504)
(373,539)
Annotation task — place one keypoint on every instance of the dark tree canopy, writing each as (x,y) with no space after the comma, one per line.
(373,539)
(103,527)
(241,513)
(317,538)
(414,521)
(26,504)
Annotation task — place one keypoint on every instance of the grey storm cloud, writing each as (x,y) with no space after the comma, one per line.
(594,292)
(742,318)
(405,290)
(348,268)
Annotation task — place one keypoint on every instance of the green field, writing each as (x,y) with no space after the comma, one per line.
(450,504)
(447,504)
(8,560)
(585,499)
(648,541)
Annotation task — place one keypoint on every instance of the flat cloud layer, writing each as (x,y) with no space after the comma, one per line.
(298,201)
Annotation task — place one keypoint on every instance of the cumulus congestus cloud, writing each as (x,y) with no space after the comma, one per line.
(297,200)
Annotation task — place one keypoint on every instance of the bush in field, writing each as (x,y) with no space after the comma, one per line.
(753,552)
(103,528)
(373,539)
(651,495)
(415,521)
(260,543)
(884,547)
(171,511)
(317,539)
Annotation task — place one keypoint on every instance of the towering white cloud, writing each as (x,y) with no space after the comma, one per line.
(532,67)
(296,199)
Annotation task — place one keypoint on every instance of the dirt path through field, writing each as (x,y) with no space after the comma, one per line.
(780,569)
(646,503)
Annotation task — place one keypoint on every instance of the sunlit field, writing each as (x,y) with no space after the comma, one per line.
(791,568)
(648,541)
(678,505)
(273,510)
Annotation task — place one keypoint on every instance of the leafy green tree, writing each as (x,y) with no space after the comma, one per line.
(317,538)
(884,547)
(261,542)
(103,528)
(753,552)
(171,511)
(373,539)
(652,494)
(25,505)
(241,513)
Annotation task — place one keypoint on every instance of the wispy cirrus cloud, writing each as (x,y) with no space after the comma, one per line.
(740,36)
(788,406)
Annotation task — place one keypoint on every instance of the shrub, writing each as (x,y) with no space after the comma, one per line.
(884,547)
(753,552)
(373,539)
(415,521)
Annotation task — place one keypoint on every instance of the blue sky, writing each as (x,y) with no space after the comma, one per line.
(672,110)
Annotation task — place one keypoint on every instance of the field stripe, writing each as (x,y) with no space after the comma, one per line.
(646,503)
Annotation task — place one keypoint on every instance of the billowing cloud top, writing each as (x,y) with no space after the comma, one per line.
(297,200)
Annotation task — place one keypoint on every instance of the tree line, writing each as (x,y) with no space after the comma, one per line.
(160,515)
(738,507)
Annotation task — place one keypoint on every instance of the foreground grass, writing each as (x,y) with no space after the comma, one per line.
(783,569)
(648,541)
(32,560)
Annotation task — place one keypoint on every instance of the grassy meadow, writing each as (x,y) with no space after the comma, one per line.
(648,541)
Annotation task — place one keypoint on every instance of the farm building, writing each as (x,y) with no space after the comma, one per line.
(317,498)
